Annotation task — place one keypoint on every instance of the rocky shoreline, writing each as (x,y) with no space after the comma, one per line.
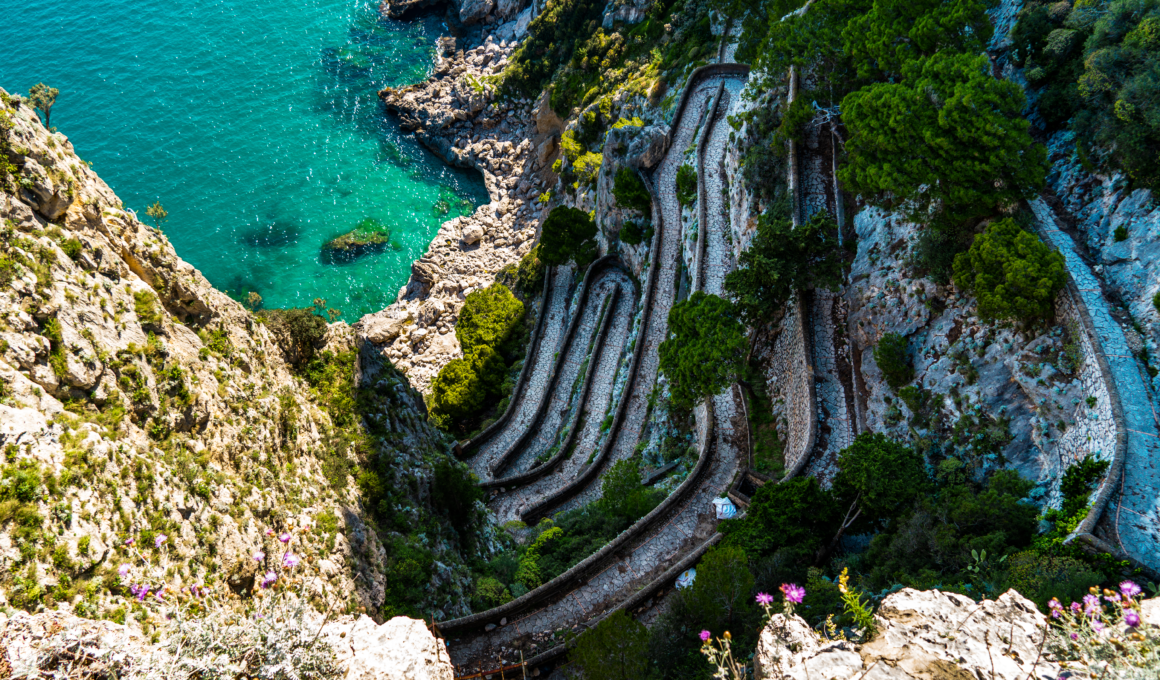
(513,143)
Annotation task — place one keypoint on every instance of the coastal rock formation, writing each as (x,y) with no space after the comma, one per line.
(143,404)
(455,115)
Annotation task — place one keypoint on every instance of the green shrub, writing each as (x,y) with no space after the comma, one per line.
(459,390)
(614,649)
(531,271)
(147,308)
(529,574)
(633,232)
(982,155)
(781,260)
(622,494)
(489,318)
(705,349)
(587,168)
(797,514)
(72,248)
(297,331)
(630,191)
(893,358)
(489,593)
(1012,272)
(1121,234)
(568,234)
(686,185)
(1156,301)
(721,595)
(454,493)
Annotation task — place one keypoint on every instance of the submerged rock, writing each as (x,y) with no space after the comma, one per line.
(370,236)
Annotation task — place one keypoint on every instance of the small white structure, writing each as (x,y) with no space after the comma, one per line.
(725,508)
(686,578)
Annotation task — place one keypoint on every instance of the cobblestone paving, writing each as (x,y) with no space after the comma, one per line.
(508,506)
(718,256)
(551,334)
(1134,511)
(691,521)
(833,382)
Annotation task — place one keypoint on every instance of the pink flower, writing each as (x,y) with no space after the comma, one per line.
(793,592)
(1131,618)
(269,532)
(129,541)
(142,593)
(1076,607)
(259,556)
(705,635)
(268,580)
(290,560)
(1091,605)
(1055,607)
(123,570)
(1074,636)
(1097,626)
(161,538)
(285,538)
(764,598)
(1130,589)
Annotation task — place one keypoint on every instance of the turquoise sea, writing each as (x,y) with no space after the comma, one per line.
(256,124)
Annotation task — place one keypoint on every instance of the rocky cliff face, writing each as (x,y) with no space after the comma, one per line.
(139,403)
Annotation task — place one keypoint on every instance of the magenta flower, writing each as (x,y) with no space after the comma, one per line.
(161,538)
(1097,626)
(123,570)
(259,556)
(290,560)
(764,599)
(1076,607)
(793,592)
(268,580)
(705,635)
(285,538)
(1130,589)
(1091,605)
(1131,618)
(129,541)
(269,532)
(1074,636)
(142,593)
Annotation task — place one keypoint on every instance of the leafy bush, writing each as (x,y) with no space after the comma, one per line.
(568,234)
(489,593)
(686,184)
(489,318)
(459,390)
(781,260)
(634,233)
(630,192)
(147,308)
(454,493)
(797,514)
(1012,272)
(552,39)
(587,168)
(893,359)
(531,271)
(705,349)
(1121,234)
(721,594)
(72,248)
(298,331)
(614,649)
(622,495)
(894,32)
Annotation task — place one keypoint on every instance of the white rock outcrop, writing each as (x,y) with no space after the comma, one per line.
(921,635)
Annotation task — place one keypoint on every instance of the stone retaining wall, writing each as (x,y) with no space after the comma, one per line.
(549,465)
(582,480)
(593,270)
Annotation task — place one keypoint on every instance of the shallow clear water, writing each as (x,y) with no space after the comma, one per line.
(258,127)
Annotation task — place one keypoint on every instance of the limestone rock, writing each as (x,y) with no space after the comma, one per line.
(647,147)
(382,328)
(425,272)
(473,11)
(547,122)
(472,233)
(921,635)
(400,649)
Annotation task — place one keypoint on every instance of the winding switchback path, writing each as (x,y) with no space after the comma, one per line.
(489,445)
(650,554)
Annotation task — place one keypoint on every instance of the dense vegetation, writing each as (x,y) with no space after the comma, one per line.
(1014,275)
(568,235)
(492,333)
(781,260)
(924,521)
(1095,66)
(535,555)
(705,349)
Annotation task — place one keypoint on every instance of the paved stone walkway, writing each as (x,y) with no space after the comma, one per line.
(1134,510)
(689,523)
(551,428)
(543,358)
